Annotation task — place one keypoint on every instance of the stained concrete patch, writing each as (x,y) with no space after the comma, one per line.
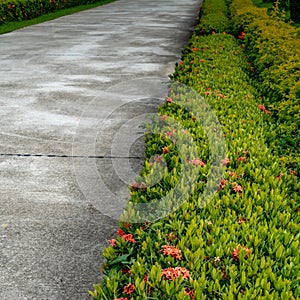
(73,92)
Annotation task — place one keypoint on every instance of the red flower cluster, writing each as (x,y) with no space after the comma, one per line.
(128,289)
(113,242)
(241,220)
(223,183)
(171,250)
(168,133)
(172,273)
(135,186)
(242,158)
(163,117)
(169,100)
(128,237)
(241,35)
(235,253)
(262,108)
(165,150)
(233,174)
(198,162)
(189,292)
(237,188)
(225,161)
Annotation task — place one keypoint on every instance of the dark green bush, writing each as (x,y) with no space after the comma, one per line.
(21,10)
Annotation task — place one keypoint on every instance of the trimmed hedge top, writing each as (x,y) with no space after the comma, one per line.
(244,244)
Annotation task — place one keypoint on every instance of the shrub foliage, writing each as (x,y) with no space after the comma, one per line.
(244,243)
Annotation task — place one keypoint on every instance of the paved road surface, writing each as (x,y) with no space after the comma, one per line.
(66,91)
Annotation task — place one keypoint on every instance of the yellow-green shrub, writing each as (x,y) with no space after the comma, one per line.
(273,47)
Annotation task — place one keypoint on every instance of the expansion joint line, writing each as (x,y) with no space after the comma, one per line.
(67,156)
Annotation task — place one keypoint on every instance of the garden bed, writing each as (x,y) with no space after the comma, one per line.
(243,243)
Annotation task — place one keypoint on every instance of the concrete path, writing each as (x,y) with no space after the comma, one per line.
(65,94)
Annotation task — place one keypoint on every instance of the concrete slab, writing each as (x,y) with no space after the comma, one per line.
(73,92)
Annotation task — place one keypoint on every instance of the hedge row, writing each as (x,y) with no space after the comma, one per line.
(21,10)
(244,243)
(213,17)
(272,47)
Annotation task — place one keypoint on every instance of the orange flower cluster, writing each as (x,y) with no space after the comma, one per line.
(225,162)
(128,237)
(165,150)
(128,289)
(262,108)
(171,250)
(198,162)
(237,188)
(241,35)
(172,273)
(235,253)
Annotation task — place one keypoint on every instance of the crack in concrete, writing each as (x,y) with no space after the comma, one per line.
(68,156)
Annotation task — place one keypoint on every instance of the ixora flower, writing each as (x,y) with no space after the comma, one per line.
(262,108)
(165,150)
(233,174)
(242,158)
(241,220)
(235,253)
(172,251)
(135,186)
(241,35)
(172,273)
(164,117)
(126,225)
(128,289)
(237,188)
(223,183)
(113,242)
(189,292)
(120,232)
(169,100)
(128,237)
(121,299)
(225,161)
(197,161)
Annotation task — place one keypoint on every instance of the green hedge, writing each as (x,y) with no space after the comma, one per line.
(214,17)
(21,10)
(272,46)
(244,244)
